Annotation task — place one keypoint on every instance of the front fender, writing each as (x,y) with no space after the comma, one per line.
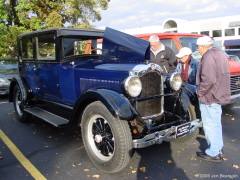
(22,85)
(117,104)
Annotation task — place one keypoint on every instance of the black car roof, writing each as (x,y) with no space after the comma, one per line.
(61,31)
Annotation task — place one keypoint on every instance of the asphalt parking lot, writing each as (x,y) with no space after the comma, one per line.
(37,150)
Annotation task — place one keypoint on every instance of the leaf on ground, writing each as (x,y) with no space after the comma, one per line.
(96,176)
(73,165)
(79,164)
(193,158)
(235,166)
(143,169)
(185,170)
(86,170)
(169,161)
(134,171)
(49,137)
(57,172)
(196,175)
(1,157)
(233,119)
(225,159)
(234,140)
(34,132)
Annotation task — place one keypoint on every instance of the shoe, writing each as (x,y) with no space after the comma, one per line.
(221,153)
(205,157)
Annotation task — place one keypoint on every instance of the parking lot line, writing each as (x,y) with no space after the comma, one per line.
(21,158)
(201,136)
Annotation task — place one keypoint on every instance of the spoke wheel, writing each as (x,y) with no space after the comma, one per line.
(18,103)
(107,140)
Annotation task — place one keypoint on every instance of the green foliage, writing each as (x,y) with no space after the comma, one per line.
(8,40)
(18,16)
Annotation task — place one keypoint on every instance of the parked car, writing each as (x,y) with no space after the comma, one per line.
(120,100)
(8,69)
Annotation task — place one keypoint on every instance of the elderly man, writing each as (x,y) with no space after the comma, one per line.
(187,66)
(162,55)
(213,88)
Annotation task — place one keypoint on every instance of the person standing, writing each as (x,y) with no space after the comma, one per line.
(162,55)
(187,66)
(213,88)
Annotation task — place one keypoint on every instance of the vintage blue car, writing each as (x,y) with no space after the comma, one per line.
(120,99)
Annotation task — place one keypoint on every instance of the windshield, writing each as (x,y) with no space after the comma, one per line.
(8,67)
(191,42)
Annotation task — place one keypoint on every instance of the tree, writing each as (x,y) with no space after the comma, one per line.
(8,40)
(19,16)
(44,14)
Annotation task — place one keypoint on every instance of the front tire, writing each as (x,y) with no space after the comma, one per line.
(191,115)
(108,141)
(18,104)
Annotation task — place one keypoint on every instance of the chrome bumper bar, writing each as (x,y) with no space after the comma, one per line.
(164,135)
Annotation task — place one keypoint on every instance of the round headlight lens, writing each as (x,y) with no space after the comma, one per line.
(175,81)
(133,86)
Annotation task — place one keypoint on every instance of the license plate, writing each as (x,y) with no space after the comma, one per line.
(183,129)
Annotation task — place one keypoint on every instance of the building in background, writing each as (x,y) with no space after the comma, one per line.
(225,30)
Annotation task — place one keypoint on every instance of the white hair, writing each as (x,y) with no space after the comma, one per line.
(154,38)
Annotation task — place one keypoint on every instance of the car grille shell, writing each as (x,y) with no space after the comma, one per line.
(152,84)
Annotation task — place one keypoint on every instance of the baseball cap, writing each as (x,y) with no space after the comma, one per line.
(183,52)
(205,40)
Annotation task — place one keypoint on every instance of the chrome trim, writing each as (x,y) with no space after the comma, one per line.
(164,135)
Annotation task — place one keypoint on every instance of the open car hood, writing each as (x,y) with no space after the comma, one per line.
(118,46)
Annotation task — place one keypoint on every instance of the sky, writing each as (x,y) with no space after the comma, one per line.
(129,14)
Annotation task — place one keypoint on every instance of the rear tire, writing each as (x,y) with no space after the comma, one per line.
(191,115)
(107,140)
(18,104)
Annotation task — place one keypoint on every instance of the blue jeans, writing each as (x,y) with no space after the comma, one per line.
(211,118)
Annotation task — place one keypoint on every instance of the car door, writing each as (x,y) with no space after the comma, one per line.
(46,67)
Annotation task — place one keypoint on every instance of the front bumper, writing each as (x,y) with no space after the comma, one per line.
(164,135)
(233,99)
(4,88)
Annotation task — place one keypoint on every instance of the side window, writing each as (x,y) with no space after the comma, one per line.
(27,48)
(74,46)
(46,47)
(170,43)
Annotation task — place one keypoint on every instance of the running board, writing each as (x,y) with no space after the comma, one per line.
(47,116)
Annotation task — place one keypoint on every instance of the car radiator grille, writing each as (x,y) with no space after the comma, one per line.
(151,85)
(235,84)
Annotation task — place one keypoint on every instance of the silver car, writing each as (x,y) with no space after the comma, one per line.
(8,69)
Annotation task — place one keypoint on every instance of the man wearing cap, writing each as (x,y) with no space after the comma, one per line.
(162,55)
(213,89)
(187,66)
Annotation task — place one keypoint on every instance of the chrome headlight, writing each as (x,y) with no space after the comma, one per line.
(3,80)
(174,81)
(133,86)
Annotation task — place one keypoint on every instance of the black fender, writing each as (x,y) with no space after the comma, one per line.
(187,96)
(117,104)
(22,85)
(180,102)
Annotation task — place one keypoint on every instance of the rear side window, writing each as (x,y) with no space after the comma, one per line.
(27,48)
(170,43)
(46,47)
